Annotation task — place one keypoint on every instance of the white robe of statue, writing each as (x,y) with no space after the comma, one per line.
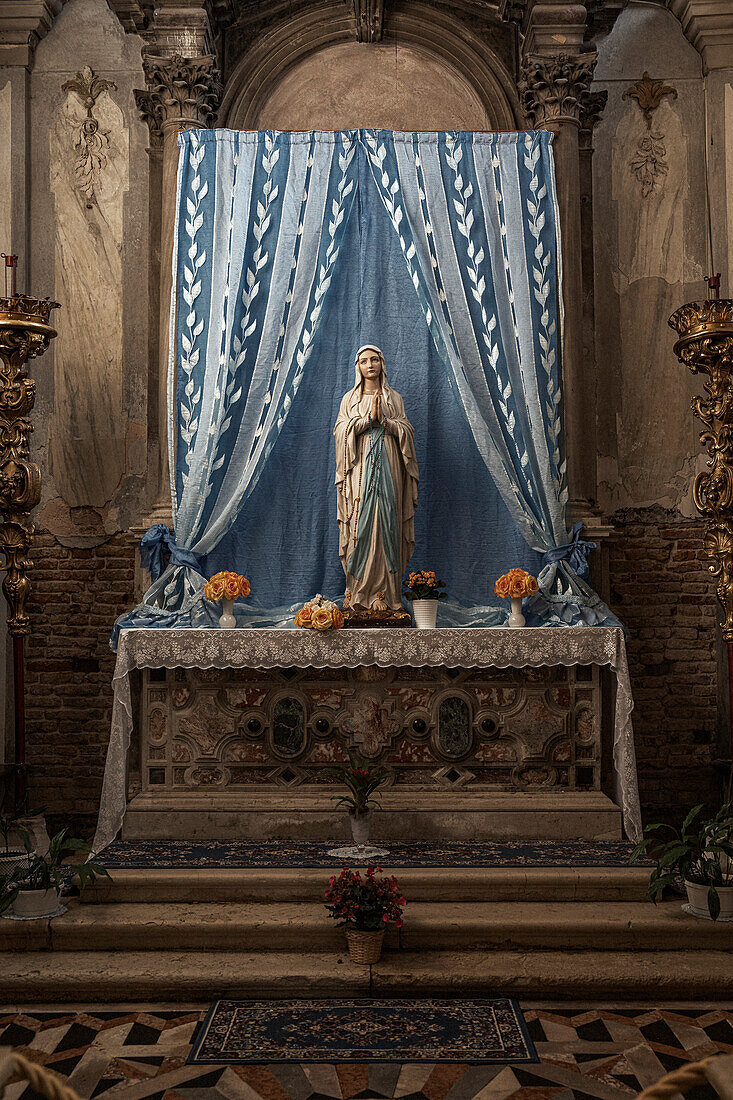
(376,486)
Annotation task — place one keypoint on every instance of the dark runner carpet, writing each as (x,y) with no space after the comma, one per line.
(182,854)
(344,1030)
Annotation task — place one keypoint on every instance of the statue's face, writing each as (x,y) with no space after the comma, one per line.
(370,365)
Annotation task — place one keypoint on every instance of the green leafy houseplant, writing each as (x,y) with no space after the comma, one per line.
(700,853)
(362,780)
(46,872)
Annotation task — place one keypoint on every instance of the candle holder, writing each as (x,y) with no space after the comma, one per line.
(25,333)
(705,345)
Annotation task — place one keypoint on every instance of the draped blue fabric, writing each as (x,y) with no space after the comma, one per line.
(276,282)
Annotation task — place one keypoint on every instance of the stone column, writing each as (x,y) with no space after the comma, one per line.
(554,91)
(182,93)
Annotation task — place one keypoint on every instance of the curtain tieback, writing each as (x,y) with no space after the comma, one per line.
(575,553)
(152,545)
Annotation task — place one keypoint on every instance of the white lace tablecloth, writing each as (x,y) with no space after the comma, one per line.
(493,647)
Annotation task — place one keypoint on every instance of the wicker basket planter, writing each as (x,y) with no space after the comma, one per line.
(364,947)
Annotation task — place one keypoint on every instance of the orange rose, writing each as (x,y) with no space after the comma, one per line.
(231,586)
(322,618)
(517,587)
(501,588)
(214,589)
(244,587)
(338,619)
(303,618)
(533,585)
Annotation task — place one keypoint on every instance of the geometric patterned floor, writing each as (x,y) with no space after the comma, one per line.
(608,1053)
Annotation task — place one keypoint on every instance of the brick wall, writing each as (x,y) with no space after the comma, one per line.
(662,590)
(77,594)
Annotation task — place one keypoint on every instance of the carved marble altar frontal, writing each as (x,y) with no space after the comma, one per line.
(244,722)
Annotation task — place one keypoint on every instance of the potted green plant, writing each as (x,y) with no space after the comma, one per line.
(422,589)
(364,906)
(32,888)
(699,854)
(363,781)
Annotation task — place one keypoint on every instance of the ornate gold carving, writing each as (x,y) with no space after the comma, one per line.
(92,143)
(368,18)
(556,89)
(648,163)
(24,334)
(184,91)
(706,346)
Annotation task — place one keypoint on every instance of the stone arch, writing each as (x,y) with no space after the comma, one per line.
(418,29)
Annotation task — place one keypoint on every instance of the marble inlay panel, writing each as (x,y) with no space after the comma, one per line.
(87,436)
(491,729)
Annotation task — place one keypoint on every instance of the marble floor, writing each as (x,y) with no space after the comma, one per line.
(139,1052)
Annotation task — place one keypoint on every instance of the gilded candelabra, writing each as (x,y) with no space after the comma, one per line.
(705,345)
(25,332)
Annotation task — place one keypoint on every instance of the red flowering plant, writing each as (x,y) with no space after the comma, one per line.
(362,779)
(366,904)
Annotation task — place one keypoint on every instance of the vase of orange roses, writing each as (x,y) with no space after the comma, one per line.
(424,591)
(515,585)
(226,587)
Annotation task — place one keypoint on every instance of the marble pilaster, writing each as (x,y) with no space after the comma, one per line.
(182,93)
(555,91)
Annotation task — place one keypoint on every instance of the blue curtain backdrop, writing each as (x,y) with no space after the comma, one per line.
(291,251)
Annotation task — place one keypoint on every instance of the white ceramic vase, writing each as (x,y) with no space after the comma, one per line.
(697,896)
(426,613)
(36,903)
(360,825)
(226,619)
(516,618)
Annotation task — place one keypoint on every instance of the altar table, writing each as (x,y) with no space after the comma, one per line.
(360,654)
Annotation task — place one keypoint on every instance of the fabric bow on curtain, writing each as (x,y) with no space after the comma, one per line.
(261,218)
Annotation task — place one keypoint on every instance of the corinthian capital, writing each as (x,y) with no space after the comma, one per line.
(556,89)
(182,91)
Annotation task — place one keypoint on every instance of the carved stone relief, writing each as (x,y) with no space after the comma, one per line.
(470,730)
(89,167)
(649,163)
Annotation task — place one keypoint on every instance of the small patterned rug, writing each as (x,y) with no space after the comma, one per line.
(481,1031)
(183,854)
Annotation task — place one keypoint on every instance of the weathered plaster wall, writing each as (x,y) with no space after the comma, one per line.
(89,250)
(392,86)
(650,257)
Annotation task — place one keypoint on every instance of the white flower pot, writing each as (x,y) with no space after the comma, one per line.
(516,618)
(697,896)
(36,903)
(360,824)
(226,619)
(426,613)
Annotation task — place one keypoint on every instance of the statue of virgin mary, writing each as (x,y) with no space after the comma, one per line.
(376,487)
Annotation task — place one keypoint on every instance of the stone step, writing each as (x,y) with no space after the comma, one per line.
(154,976)
(307,812)
(475,884)
(441,926)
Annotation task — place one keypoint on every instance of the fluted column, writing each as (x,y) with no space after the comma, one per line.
(182,93)
(554,92)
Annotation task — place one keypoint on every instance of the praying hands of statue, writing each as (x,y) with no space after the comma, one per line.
(376,413)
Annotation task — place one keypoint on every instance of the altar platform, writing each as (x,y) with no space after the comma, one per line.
(491,734)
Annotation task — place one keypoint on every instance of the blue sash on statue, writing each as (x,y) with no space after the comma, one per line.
(376,488)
